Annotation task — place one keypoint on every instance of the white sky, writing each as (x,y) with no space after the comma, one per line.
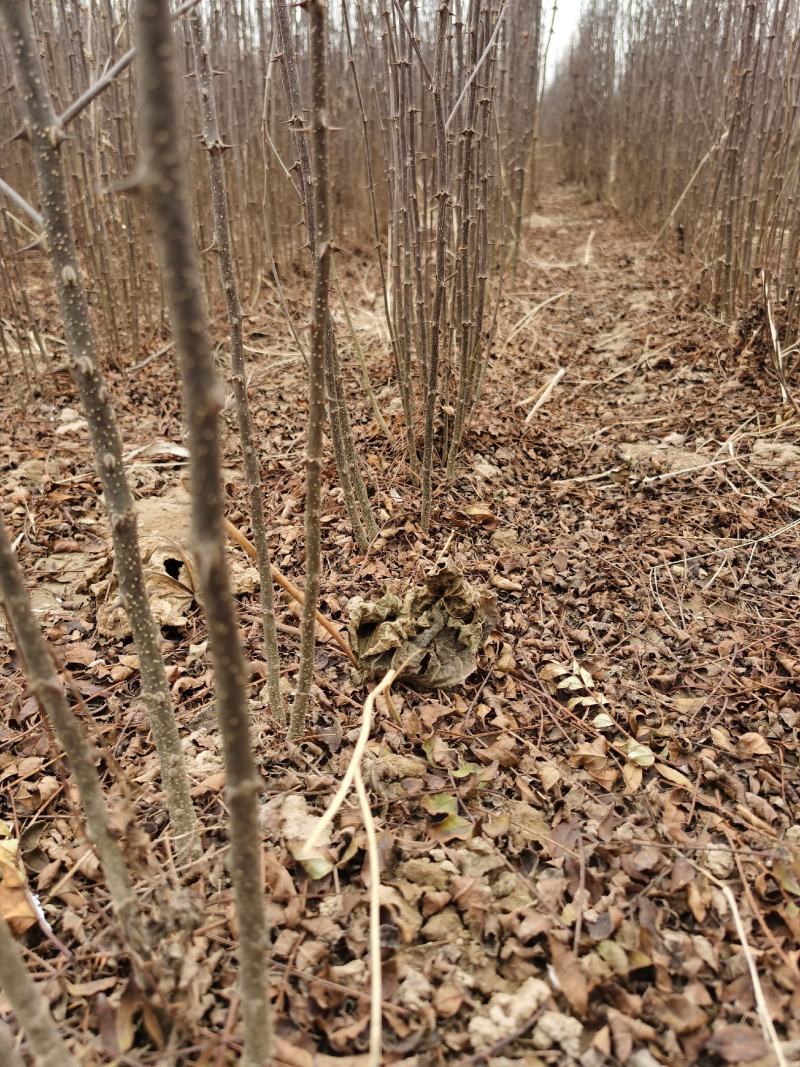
(567,14)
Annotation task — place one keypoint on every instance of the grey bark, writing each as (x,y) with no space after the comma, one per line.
(163,178)
(316,364)
(30,1007)
(222,244)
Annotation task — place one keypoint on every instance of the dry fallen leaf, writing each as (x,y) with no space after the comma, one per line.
(570,974)
(753,744)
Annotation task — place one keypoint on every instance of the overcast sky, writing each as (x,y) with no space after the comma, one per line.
(566,20)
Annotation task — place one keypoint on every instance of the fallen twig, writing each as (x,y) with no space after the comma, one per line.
(545,394)
(529,315)
(291,589)
(353,776)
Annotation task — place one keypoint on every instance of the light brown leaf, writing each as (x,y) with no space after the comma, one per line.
(570,975)
(753,745)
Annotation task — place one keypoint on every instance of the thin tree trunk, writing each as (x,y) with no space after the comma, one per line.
(316,369)
(164,180)
(46,687)
(222,244)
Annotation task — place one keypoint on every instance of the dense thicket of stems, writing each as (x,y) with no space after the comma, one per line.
(46,136)
(393,124)
(163,179)
(683,113)
(350,477)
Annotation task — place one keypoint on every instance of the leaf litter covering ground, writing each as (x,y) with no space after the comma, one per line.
(556,834)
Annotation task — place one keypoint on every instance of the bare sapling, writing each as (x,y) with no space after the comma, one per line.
(204,77)
(163,179)
(442,217)
(320,316)
(46,137)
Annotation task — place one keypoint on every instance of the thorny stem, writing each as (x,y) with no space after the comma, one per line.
(357,501)
(443,212)
(164,180)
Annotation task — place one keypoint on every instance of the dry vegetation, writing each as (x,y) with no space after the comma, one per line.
(399,534)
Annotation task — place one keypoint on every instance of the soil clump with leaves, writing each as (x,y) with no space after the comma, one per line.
(582,846)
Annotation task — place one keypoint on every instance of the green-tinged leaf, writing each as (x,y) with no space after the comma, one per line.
(445,824)
(602,721)
(466,769)
(440,804)
(436,750)
(638,753)
(452,827)
(615,956)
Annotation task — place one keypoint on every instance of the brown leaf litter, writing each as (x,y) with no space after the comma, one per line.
(554,829)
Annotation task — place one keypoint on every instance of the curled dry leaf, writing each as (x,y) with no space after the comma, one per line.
(431,637)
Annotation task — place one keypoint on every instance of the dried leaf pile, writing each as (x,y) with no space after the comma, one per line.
(561,831)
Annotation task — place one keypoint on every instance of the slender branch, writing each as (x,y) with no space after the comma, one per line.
(320,317)
(21,203)
(109,76)
(204,77)
(164,181)
(478,65)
